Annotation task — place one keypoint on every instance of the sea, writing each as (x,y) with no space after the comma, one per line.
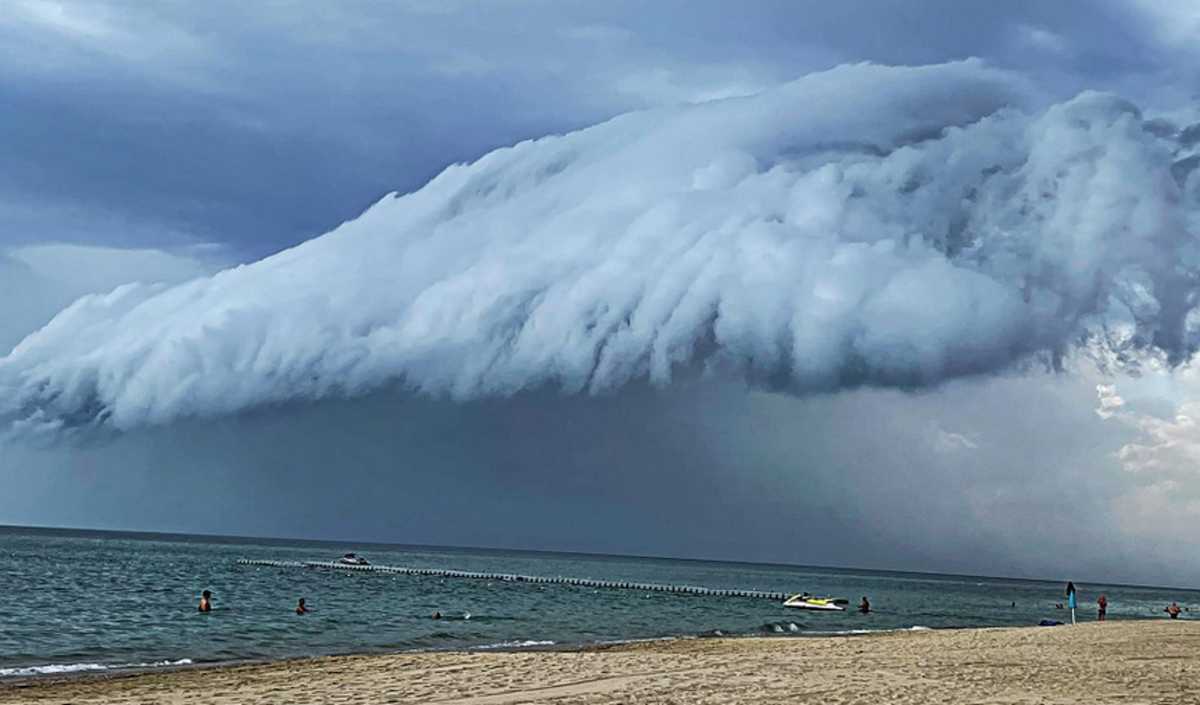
(74,601)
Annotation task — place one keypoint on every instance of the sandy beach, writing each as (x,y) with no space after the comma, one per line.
(1117,662)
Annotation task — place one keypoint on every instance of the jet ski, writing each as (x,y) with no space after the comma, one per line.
(351,559)
(811,602)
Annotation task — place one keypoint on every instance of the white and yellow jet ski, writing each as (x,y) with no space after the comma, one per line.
(811,602)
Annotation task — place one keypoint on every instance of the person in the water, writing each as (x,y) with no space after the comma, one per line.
(205,601)
(300,608)
(864,606)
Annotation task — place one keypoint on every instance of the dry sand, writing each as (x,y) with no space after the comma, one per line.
(1117,662)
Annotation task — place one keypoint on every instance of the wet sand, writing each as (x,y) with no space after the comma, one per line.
(1117,662)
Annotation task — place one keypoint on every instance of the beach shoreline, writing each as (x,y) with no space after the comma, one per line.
(120,671)
(1151,661)
(112,671)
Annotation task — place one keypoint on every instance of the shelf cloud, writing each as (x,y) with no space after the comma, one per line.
(867,225)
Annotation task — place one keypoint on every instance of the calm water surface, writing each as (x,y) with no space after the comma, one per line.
(75,601)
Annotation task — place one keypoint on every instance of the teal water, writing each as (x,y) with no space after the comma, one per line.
(79,601)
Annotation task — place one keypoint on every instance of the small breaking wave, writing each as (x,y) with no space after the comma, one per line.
(785,627)
(64,668)
(519,644)
(856,632)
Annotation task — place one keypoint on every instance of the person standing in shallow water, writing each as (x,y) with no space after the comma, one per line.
(864,606)
(300,607)
(1102,607)
(205,602)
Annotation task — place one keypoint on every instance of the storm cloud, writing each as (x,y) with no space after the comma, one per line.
(260,125)
(895,226)
(772,292)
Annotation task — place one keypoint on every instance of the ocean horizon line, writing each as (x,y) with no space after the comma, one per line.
(149,535)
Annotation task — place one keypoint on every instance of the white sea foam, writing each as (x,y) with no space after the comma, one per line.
(855,632)
(517,644)
(63,668)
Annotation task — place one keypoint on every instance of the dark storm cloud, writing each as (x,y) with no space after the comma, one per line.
(259,125)
(943,482)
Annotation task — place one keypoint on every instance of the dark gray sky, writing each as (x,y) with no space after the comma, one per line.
(163,141)
(257,126)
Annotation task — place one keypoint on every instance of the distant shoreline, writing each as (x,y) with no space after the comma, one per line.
(1144,660)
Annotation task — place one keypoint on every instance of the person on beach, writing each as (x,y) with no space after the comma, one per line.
(205,601)
(300,608)
(1071,599)
(1173,610)
(1102,607)
(864,606)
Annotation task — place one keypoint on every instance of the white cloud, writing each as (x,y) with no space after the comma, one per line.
(87,269)
(1177,21)
(37,281)
(1162,461)
(893,226)
(1042,39)
(951,442)
(1167,449)
(695,85)
(79,21)
(1109,401)
(54,39)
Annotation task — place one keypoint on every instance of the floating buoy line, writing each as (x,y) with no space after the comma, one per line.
(516,578)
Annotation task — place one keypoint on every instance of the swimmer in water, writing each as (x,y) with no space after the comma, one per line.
(864,606)
(205,601)
(437,615)
(300,608)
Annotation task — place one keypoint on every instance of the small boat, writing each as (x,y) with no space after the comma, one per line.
(811,602)
(351,559)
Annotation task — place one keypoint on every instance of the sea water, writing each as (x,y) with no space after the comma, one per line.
(75,601)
